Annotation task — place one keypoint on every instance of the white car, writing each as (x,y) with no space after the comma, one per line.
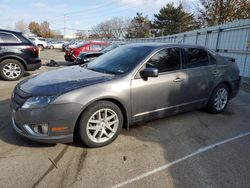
(40,42)
(75,44)
(55,44)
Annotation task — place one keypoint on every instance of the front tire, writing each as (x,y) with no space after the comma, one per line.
(41,47)
(219,99)
(11,69)
(100,124)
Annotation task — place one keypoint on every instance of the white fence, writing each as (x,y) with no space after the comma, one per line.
(231,39)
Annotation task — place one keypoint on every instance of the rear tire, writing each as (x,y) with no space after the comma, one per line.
(100,124)
(11,69)
(219,99)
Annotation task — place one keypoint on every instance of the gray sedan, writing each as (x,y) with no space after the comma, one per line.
(130,84)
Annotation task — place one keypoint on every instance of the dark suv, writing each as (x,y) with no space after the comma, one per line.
(17,55)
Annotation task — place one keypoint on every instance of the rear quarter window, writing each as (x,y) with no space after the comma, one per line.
(8,38)
(212,59)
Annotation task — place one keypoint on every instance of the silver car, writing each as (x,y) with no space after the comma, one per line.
(130,84)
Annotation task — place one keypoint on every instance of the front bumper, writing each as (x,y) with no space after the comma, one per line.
(33,64)
(69,57)
(57,115)
(43,139)
(78,61)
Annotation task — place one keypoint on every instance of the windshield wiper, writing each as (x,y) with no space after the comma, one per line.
(85,65)
(93,69)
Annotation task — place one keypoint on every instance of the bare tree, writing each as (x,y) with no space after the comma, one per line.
(80,34)
(215,12)
(21,26)
(113,28)
(34,28)
(41,30)
(57,34)
(45,30)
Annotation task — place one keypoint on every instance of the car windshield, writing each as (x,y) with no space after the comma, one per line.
(109,48)
(80,44)
(120,60)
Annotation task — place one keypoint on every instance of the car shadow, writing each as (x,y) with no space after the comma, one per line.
(53,63)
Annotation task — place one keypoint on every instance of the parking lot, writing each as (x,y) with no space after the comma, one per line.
(194,149)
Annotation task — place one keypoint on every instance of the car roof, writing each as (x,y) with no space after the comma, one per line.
(9,31)
(97,42)
(162,45)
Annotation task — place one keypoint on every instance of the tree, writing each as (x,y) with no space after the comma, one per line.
(114,28)
(21,26)
(45,30)
(80,34)
(93,36)
(214,12)
(41,30)
(57,34)
(34,28)
(139,27)
(171,20)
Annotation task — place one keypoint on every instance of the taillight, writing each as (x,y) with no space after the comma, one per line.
(32,49)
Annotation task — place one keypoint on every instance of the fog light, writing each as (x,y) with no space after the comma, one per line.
(41,129)
(37,129)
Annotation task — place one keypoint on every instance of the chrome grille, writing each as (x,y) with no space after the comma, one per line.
(19,98)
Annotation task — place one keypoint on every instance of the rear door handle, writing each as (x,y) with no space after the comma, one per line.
(178,79)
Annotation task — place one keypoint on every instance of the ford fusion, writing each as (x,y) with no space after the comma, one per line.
(130,84)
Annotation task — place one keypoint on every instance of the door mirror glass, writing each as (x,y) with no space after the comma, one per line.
(149,72)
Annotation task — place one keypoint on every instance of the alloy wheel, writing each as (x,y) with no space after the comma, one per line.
(221,99)
(102,125)
(12,70)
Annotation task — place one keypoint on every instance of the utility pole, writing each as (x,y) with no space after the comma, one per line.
(64,27)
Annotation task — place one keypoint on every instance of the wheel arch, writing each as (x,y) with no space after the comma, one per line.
(21,60)
(228,85)
(116,102)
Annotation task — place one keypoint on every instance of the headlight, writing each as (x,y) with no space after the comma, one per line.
(38,102)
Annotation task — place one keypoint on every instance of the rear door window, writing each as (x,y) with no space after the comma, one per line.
(41,39)
(8,38)
(196,57)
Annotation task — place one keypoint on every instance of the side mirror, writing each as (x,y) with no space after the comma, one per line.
(149,72)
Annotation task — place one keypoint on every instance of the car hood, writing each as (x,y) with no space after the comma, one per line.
(62,80)
(91,53)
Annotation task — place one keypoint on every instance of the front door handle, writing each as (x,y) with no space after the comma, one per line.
(215,73)
(178,79)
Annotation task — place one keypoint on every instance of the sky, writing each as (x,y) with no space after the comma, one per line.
(79,14)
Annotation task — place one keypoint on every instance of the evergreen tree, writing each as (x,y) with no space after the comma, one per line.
(139,27)
(171,20)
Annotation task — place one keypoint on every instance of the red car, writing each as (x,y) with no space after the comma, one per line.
(95,46)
